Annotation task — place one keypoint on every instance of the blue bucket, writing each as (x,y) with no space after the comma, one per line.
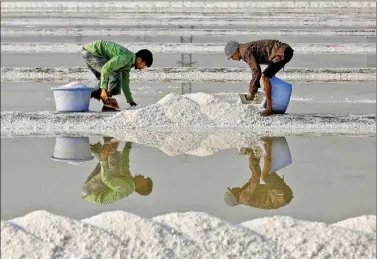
(280,95)
(72,99)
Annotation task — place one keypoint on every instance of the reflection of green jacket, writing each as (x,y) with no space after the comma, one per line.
(111,180)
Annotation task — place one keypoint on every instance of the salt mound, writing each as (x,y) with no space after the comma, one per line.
(74,85)
(304,239)
(364,223)
(73,238)
(170,237)
(196,110)
(119,234)
(16,242)
(217,237)
(152,239)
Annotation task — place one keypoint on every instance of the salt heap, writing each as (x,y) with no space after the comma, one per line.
(195,110)
(119,234)
(74,85)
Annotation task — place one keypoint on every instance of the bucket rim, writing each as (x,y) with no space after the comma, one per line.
(72,89)
(71,160)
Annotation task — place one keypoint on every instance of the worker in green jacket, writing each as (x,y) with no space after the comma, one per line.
(111,64)
(111,180)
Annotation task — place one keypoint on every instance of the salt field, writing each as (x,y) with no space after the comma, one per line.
(201,174)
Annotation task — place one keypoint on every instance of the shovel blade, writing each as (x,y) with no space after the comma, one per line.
(259,99)
(244,100)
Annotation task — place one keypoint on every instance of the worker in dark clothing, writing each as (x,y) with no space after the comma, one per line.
(273,53)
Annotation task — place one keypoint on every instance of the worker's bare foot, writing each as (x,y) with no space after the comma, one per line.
(266,113)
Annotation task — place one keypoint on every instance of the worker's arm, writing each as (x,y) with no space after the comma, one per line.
(254,82)
(255,71)
(126,87)
(112,66)
(267,158)
(126,158)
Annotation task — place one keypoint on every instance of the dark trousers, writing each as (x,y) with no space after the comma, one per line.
(95,65)
(274,67)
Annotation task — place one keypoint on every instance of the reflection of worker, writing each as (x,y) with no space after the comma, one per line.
(274,194)
(111,180)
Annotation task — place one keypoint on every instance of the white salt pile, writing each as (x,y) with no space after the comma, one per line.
(198,111)
(119,234)
(194,110)
(74,85)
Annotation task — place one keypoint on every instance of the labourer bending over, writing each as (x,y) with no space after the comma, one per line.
(111,64)
(273,53)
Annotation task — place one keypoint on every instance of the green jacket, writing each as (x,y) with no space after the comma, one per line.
(119,57)
(112,179)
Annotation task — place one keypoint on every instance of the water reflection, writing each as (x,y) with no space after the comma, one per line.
(274,192)
(111,180)
(73,150)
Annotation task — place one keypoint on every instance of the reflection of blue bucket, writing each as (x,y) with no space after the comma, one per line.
(280,95)
(280,154)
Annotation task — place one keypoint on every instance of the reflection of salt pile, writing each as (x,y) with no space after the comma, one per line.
(201,143)
(118,234)
(191,110)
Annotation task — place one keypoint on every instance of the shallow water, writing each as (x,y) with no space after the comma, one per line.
(325,171)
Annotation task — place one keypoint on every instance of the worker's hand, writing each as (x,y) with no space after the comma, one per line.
(133,103)
(105,152)
(104,96)
(107,149)
(250,96)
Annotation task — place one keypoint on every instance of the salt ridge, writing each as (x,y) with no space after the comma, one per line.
(234,96)
(185,113)
(190,74)
(119,234)
(211,14)
(257,22)
(57,31)
(307,48)
(177,5)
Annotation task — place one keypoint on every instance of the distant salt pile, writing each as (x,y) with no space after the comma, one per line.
(74,85)
(195,110)
(119,234)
